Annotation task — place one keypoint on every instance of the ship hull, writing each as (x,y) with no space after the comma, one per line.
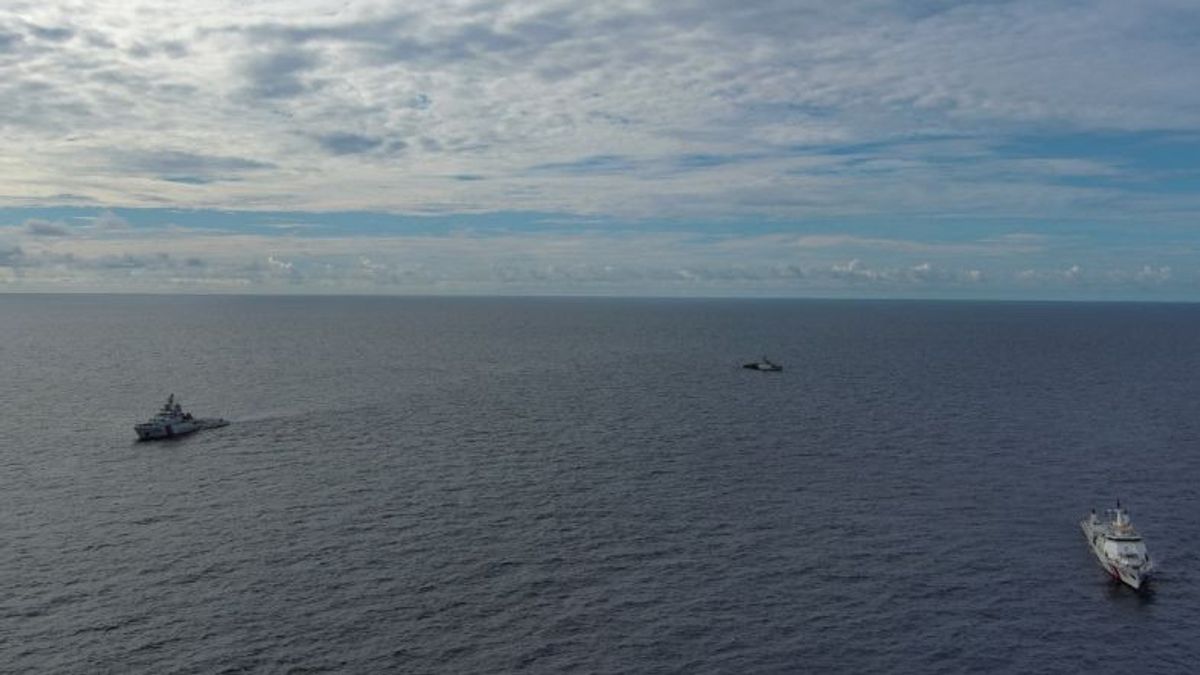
(157,432)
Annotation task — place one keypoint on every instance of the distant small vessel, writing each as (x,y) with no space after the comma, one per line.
(171,421)
(1118,547)
(765,365)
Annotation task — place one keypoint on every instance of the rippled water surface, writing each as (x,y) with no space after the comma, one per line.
(551,485)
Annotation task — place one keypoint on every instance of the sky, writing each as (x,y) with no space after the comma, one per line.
(1043,149)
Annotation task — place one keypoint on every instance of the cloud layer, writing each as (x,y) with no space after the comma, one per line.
(872,121)
(365,253)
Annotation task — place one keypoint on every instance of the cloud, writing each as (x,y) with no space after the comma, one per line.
(572,258)
(596,164)
(1003,244)
(1149,273)
(850,109)
(9,40)
(279,74)
(853,270)
(896,134)
(280,265)
(108,221)
(45,228)
(12,256)
(348,144)
(51,33)
(182,167)
(922,275)
(174,49)
(135,262)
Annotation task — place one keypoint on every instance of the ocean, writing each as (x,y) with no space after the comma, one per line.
(483,485)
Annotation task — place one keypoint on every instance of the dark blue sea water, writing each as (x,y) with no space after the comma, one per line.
(557,485)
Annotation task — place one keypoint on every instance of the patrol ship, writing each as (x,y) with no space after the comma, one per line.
(171,421)
(764,365)
(1118,547)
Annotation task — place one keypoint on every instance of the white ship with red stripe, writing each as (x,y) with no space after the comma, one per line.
(1118,547)
(171,421)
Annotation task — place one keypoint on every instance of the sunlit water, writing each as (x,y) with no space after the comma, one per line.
(471,485)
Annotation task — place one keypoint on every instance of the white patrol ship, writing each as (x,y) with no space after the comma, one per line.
(171,421)
(1118,547)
